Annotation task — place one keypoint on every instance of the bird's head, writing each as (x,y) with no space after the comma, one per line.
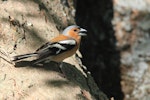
(74,31)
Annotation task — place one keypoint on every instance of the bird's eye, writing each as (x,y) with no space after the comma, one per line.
(75,30)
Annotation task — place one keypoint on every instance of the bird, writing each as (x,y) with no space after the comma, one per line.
(58,48)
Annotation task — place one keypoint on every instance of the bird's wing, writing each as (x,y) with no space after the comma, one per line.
(56,48)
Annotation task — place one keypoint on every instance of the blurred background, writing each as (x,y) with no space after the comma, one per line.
(116,50)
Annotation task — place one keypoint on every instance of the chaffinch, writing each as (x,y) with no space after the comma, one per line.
(59,48)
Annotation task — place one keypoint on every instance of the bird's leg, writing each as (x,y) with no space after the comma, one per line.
(60,65)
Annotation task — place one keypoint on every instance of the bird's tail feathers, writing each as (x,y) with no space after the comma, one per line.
(19,57)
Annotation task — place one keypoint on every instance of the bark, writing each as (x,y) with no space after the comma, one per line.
(25,26)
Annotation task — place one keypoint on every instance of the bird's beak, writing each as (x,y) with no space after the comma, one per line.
(82,32)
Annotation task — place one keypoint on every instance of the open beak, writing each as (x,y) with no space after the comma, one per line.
(82,32)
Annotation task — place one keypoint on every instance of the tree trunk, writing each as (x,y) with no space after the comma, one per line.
(24,27)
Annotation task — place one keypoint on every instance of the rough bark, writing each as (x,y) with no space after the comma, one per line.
(25,26)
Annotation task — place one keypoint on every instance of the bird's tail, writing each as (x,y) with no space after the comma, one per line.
(19,57)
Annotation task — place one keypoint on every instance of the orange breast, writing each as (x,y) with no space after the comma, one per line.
(62,56)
